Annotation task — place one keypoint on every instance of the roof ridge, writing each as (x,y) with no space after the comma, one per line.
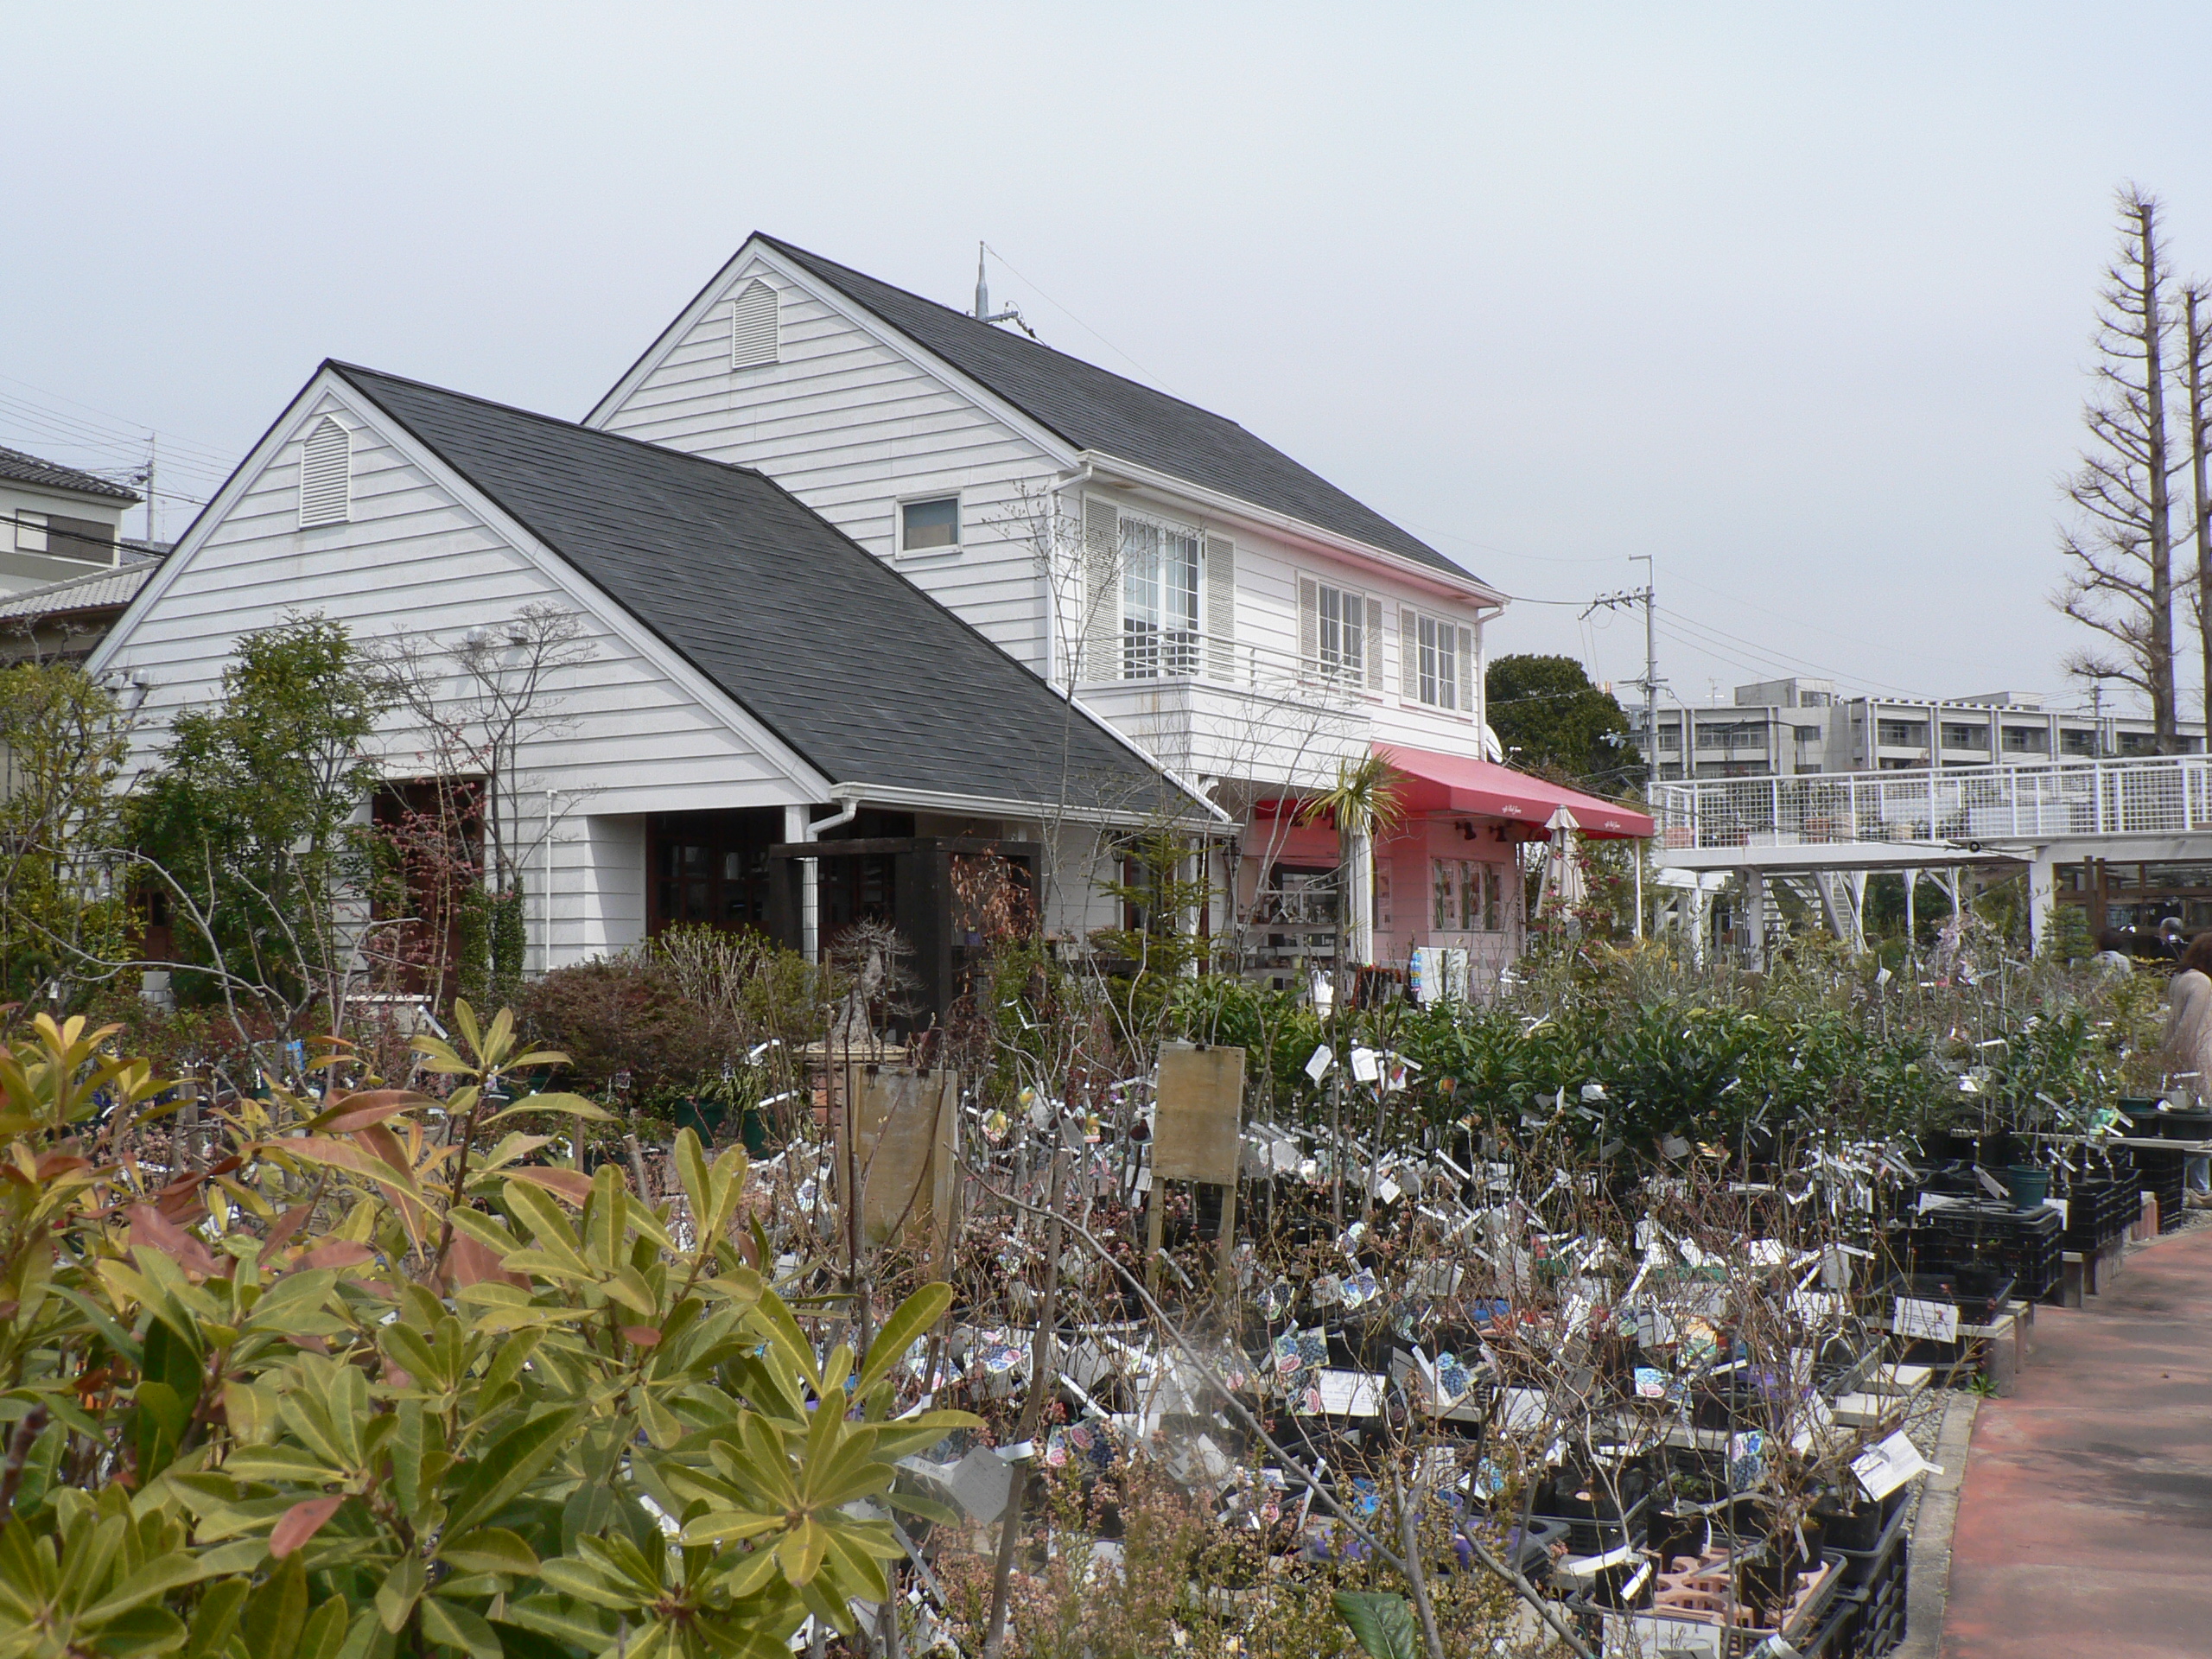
(1015,339)
(349,370)
(92,484)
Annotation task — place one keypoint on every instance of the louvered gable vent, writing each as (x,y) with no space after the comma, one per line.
(752,332)
(326,475)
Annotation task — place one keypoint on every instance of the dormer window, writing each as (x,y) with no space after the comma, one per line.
(930,525)
(326,475)
(752,327)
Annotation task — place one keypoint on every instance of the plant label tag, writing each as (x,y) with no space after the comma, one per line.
(1521,1409)
(1882,1469)
(1317,1067)
(1347,1394)
(1924,1322)
(1817,1306)
(1990,1184)
(1366,1066)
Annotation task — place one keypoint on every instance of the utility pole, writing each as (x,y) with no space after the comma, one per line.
(151,440)
(1646,597)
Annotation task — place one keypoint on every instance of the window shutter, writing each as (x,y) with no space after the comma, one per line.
(1101,593)
(1221,607)
(1373,645)
(1408,656)
(326,475)
(1466,670)
(753,333)
(1309,623)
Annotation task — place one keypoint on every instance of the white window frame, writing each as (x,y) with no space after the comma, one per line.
(959,524)
(1348,668)
(1169,652)
(1470,892)
(1425,682)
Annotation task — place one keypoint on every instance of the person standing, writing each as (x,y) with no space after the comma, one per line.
(2188,1051)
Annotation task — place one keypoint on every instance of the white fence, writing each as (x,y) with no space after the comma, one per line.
(2164,795)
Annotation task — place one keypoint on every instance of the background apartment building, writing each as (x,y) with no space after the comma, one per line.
(1782,727)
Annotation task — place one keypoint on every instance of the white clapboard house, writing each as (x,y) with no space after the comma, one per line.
(1247,622)
(773,727)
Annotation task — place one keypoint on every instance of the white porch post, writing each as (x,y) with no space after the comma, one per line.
(1755,918)
(1359,902)
(2043,893)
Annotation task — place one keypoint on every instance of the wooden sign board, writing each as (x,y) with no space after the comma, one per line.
(909,1166)
(1199,1116)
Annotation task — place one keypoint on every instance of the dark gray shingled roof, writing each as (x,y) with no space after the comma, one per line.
(868,678)
(1094,410)
(29,469)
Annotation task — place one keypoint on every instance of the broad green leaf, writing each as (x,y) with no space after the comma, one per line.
(508,1465)
(568,1105)
(325,1635)
(215,1617)
(395,1597)
(1381,1622)
(589,1581)
(453,1626)
(491,1549)
(905,1327)
(277,1611)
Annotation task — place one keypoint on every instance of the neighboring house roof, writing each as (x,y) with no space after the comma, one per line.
(871,681)
(21,468)
(96,590)
(1091,408)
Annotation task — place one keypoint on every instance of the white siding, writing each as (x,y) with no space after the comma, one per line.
(852,428)
(1286,737)
(416,559)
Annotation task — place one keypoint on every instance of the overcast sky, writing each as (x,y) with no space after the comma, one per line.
(1794,299)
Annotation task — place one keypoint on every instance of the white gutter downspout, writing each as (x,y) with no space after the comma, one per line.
(809,877)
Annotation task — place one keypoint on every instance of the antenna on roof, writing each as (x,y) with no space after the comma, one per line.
(983,313)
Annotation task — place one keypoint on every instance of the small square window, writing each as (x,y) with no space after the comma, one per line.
(926,524)
(30,532)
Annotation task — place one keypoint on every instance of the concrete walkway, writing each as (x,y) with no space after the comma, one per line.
(2085,1527)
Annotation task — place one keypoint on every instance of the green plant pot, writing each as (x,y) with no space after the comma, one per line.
(2030,1185)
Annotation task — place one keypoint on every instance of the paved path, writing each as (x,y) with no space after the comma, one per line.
(2085,1528)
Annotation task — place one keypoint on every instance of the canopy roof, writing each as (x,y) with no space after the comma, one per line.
(1456,783)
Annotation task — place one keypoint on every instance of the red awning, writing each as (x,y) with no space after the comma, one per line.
(1458,783)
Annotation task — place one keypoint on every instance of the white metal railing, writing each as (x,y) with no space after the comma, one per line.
(1211,659)
(2158,795)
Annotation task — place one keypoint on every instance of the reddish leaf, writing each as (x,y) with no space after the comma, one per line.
(281,1231)
(149,1227)
(301,1523)
(565,1184)
(469,1262)
(385,1145)
(312,1345)
(58,1163)
(643,1335)
(337,1253)
(369,1107)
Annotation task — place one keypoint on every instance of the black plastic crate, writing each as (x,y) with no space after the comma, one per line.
(1868,1565)
(2027,1243)
(1980,1295)
(1595,1525)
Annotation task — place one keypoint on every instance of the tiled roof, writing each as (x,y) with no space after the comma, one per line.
(97,590)
(1092,409)
(29,469)
(866,676)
